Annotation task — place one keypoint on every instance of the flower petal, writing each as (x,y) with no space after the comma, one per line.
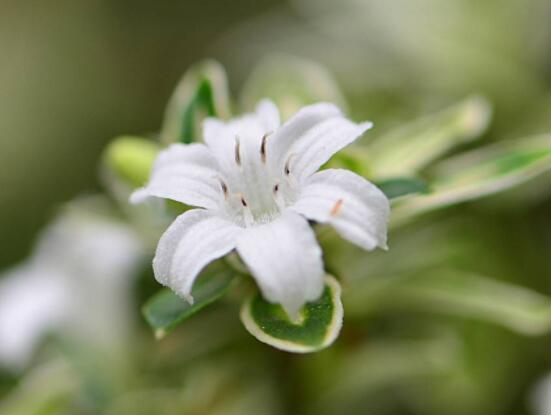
(311,137)
(268,113)
(285,259)
(32,301)
(194,239)
(297,126)
(185,173)
(249,129)
(317,146)
(357,209)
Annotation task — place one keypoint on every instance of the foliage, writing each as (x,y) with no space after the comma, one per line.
(455,318)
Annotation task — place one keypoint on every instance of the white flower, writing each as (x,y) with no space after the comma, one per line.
(540,397)
(256,185)
(30,304)
(75,283)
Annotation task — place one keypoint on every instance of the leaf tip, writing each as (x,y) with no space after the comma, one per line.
(320,326)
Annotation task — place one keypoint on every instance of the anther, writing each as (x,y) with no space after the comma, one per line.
(263,147)
(237,151)
(287,168)
(278,197)
(224,187)
(336,208)
(247,214)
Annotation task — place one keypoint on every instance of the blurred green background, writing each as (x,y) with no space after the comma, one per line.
(74,74)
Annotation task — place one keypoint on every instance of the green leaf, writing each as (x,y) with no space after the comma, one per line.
(202,92)
(291,82)
(469,295)
(399,187)
(408,149)
(378,363)
(480,173)
(131,159)
(165,310)
(45,389)
(319,325)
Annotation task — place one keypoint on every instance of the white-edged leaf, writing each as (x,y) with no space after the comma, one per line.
(474,296)
(378,363)
(319,325)
(202,92)
(407,149)
(291,82)
(480,173)
(401,186)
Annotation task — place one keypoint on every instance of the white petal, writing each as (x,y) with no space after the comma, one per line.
(194,239)
(317,146)
(185,173)
(296,127)
(285,259)
(219,138)
(249,129)
(357,209)
(32,302)
(311,137)
(268,114)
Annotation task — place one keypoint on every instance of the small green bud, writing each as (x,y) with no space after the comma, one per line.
(131,158)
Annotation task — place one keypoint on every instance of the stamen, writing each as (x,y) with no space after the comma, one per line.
(263,147)
(224,187)
(237,151)
(336,208)
(278,197)
(287,168)
(247,214)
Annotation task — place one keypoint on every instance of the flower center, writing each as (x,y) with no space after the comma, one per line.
(256,190)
